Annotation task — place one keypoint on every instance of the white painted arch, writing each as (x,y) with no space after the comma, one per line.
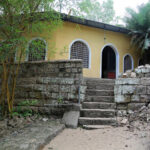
(86,43)
(36,38)
(132,61)
(117,58)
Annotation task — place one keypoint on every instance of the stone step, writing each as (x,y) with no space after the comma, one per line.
(96,113)
(108,99)
(97,121)
(92,127)
(93,92)
(99,81)
(101,86)
(98,105)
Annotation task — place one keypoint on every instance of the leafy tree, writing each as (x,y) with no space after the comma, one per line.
(17,19)
(88,9)
(93,10)
(139,24)
(64,6)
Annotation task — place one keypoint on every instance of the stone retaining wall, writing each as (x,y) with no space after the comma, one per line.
(51,82)
(132,90)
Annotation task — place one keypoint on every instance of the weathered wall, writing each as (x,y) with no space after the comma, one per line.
(50,82)
(96,38)
(132,90)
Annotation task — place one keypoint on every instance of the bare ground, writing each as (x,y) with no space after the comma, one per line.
(107,138)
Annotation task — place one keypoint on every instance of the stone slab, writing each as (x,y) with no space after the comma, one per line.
(127,81)
(70,119)
(122,98)
(33,137)
(135,106)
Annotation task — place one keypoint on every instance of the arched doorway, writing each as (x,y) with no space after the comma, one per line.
(109,61)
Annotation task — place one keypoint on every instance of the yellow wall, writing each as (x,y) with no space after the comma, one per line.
(95,39)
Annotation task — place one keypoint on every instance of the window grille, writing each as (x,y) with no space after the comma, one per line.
(37,50)
(80,51)
(127,63)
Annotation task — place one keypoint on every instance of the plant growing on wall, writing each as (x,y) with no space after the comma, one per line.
(24,112)
(18,18)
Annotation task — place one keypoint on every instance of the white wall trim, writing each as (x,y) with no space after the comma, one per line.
(117,58)
(132,61)
(35,38)
(89,49)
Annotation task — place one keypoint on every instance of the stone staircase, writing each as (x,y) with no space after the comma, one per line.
(98,107)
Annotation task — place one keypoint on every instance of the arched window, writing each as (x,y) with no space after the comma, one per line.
(79,50)
(37,50)
(128,63)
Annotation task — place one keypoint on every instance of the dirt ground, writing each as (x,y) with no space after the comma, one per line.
(107,138)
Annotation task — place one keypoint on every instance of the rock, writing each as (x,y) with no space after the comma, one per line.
(45,119)
(70,119)
(12,123)
(147,66)
(124,121)
(3,125)
(133,75)
(124,75)
(139,67)
(130,112)
(121,113)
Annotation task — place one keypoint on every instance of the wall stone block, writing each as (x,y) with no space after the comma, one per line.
(128,89)
(140,90)
(127,81)
(148,90)
(145,81)
(135,106)
(144,98)
(118,89)
(119,99)
(49,81)
(135,98)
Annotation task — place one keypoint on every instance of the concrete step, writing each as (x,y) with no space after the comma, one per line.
(108,99)
(98,105)
(93,127)
(96,113)
(101,86)
(99,81)
(97,121)
(93,92)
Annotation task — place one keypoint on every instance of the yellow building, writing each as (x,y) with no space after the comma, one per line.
(105,49)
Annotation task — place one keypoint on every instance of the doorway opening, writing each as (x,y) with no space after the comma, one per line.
(108,63)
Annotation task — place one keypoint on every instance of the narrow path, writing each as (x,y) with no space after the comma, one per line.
(107,138)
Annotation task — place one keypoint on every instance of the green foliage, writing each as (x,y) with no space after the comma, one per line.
(93,10)
(65,5)
(60,100)
(24,108)
(28,103)
(139,24)
(37,50)
(88,9)
(19,18)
